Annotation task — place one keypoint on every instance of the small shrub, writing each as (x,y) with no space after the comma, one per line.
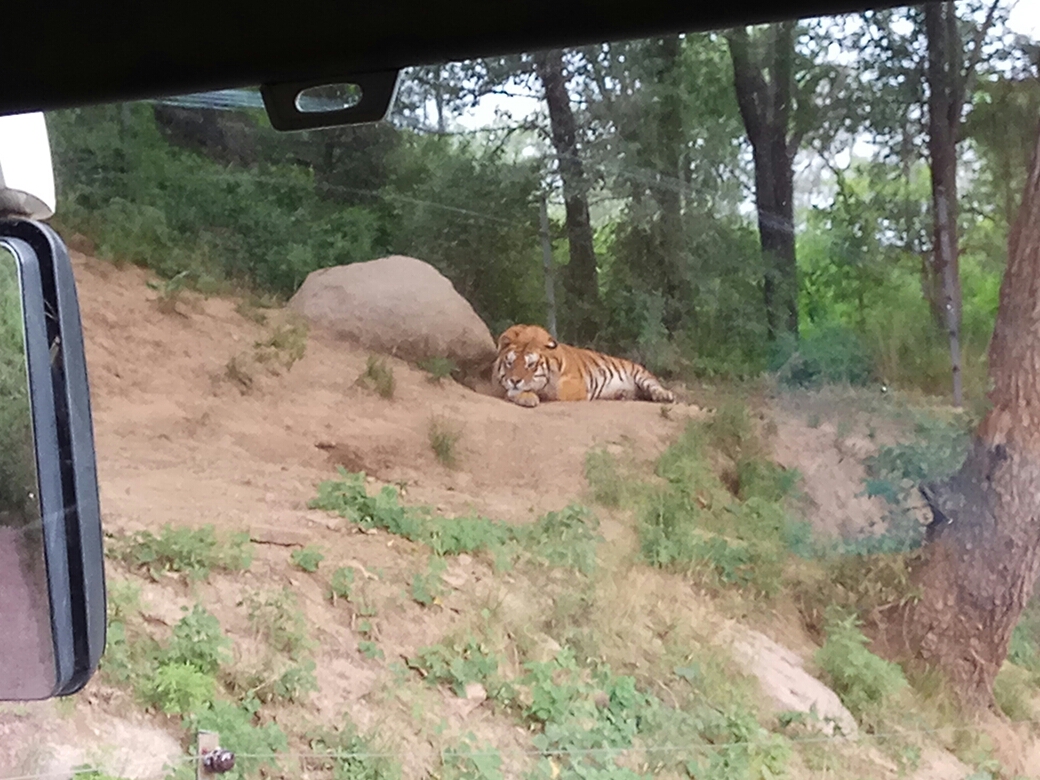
(456,664)
(199,641)
(444,436)
(194,552)
(370,649)
(439,368)
(826,355)
(286,345)
(349,756)
(169,292)
(178,688)
(307,559)
(341,586)
(565,538)
(254,744)
(863,681)
(294,683)
(428,586)
(378,376)
(277,618)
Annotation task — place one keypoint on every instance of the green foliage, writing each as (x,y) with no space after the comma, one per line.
(444,437)
(197,641)
(458,664)
(194,551)
(831,354)
(253,743)
(601,473)
(341,585)
(348,497)
(349,756)
(378,376)
(567,538)
(285,345)
(428,586)
(471,761)
(17,453)
(146,202)
(694,523)
(307,559)
(864,681)
(439,368)
(277,619)
(937,450)
(178,689)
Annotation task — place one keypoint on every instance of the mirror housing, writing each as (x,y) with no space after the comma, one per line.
(52,610)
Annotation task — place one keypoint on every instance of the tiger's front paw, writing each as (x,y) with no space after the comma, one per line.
(526,398)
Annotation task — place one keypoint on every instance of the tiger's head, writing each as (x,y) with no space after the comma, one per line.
(520,366)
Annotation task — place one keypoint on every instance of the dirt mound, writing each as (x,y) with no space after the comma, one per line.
(399,306)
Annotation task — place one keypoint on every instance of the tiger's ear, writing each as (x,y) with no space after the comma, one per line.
(551,344)
(504,341)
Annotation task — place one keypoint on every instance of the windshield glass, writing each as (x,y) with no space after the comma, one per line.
(359,525)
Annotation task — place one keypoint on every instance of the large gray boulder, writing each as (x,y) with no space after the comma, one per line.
(399,306)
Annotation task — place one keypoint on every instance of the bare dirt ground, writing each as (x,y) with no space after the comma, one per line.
(183,439)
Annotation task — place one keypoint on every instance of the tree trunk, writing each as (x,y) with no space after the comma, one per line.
(580,278)
(667,190)
(765,107)
(945,102)
(982,557)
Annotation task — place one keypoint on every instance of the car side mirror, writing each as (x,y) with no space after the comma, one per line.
(52,586)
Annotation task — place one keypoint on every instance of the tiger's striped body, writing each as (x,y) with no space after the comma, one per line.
(532,367)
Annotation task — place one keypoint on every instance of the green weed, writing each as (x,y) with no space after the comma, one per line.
(457,664)
(194,552)
(439,368)
(427,586)
(863,681)
(566,538)
(378,376)
(307,559)
(285,345)
(178,688)
(471,761)
(276,617)
(349,756)
(341,585)
(444,438)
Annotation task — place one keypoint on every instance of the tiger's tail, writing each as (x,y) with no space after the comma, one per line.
(650,388)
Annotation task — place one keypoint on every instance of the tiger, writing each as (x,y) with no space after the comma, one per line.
(532,366)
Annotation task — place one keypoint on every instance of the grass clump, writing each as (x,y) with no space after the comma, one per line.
(427,587)
(348,496)
(444,437)
(378,376)
(192,551)
(729,535)
(277,619)
(864,682)
(567,538)
(285,345)
(341,584)
(347,755)
(308,559)
(438,368)
(457,664)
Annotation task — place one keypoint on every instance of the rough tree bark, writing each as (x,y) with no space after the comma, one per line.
(982,557)
(580,279)
(765,107)
(949,80)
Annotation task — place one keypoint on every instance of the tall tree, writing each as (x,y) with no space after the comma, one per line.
(763,75)
(949,80)
(982,559)
(580,280)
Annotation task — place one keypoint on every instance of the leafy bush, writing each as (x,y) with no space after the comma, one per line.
(178,688)
(194,551)
(567,538)
(342,583)
(864,681)
(457,664)
(831,354)
(307,559)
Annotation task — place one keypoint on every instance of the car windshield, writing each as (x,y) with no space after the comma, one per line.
(358,524)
